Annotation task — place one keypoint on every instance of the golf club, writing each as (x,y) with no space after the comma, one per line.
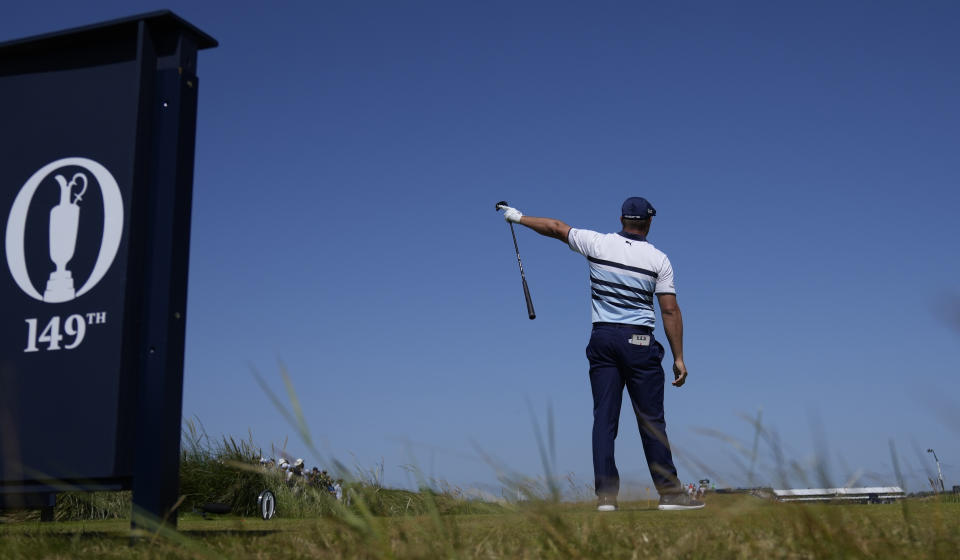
(526,290)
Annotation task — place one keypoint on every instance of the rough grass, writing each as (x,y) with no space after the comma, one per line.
(732,526)
(227,471)
(388,523)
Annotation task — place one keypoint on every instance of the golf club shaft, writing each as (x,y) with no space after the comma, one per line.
(526,290)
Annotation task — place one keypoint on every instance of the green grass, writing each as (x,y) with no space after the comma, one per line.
(390,523)
(732,526)
(227,471)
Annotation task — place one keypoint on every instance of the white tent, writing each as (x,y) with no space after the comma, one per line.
(863,494)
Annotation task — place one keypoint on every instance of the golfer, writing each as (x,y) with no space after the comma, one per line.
(625,273)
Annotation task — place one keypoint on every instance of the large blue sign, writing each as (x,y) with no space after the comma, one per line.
(66,185)
(96,176)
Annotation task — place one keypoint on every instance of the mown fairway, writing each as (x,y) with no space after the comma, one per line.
(730,526)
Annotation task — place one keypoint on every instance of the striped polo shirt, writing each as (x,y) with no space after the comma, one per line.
(625,273)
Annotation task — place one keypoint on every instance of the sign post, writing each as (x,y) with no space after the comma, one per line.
(96,180)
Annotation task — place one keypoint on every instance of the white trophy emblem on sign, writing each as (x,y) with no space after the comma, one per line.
(64,228)
(64,223)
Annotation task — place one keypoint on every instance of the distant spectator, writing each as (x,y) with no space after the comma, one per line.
(313,477)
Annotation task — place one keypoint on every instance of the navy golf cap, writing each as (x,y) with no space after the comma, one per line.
(637,208)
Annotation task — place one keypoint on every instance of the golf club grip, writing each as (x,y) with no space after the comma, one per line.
(526,294)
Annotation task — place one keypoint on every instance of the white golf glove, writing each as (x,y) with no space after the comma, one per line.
(512,214)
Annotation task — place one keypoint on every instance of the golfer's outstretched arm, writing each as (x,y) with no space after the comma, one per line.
(544,226)
(547,226)
(673,325)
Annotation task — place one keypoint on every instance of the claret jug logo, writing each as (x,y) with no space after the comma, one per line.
(74,187)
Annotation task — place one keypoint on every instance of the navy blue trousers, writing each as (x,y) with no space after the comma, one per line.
(619,358)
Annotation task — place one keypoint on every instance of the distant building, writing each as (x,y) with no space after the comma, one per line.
(869,494)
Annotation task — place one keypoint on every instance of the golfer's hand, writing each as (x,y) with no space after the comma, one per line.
(679,373)
(512,214)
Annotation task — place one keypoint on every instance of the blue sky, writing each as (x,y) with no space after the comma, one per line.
(802,157)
